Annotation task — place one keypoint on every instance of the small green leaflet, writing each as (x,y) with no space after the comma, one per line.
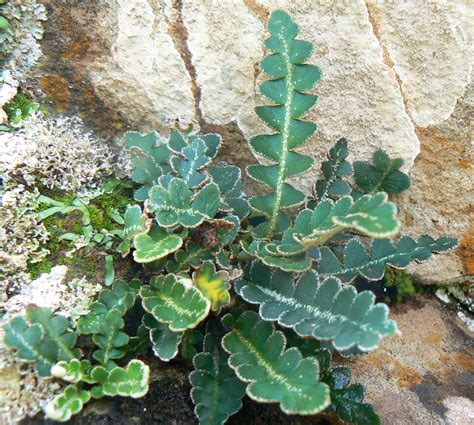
(120,297)
(192,254)
(174,205)
(325,310)
(109,270)
(348,400)
(216,392)
(165,343)
(67,404)
(131,381)
(105,322)
(150,160)
(274,374)
(175,302)
(134,222)
(295,263)
(42,338)
(179,140)
(372,215)
(384,175)
(155,245)
(228,178)
(333,185)
(72,371)
(190,165)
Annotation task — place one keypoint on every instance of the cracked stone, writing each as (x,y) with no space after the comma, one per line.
(139,75)
(432,78)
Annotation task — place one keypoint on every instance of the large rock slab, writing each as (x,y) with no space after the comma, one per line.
(395,76)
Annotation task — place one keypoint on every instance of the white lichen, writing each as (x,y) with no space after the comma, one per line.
(8,90)
(19,48)
(22,392)
(55,153)
(71,299)
(21,237)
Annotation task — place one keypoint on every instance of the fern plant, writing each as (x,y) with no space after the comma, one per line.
(257,292)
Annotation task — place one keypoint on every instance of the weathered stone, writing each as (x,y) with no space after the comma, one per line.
(140,75)
(394,77)
(432,79)
(223,56)
(441,198)
(425,378)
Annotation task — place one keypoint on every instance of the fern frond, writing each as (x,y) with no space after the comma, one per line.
(275,374)
(325,310)
(290,78)
(216,392)
(356,260)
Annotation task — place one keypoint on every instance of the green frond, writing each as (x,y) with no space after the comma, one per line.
(325,310)
(290,77)
(356,260)
(216,392)
(274,374)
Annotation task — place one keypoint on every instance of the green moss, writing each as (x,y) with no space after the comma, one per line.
(116,200)
(401,282)
(84,262)
(57,195)
(99,220)
(37,269)
(20,107)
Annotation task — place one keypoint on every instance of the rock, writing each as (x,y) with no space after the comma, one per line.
(432,79)
(395,76)
(52,290)
(441,198)
(426,376)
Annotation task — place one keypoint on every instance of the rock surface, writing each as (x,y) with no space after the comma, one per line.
(427,376)
(396,75)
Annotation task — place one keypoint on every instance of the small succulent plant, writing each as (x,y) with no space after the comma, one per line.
(257,291)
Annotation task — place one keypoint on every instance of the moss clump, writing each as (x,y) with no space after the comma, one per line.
(21,107)
(101,206)
(84,262)
(402,284)
(37,269)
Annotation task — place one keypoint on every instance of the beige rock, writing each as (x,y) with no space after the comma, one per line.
(223,56)
(460,411)
(432,78)
(144,74)
(441,198)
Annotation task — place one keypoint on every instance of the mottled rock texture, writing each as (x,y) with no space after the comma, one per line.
(396,76)
(426,377)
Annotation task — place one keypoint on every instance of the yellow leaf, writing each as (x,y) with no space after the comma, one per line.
(212,284)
